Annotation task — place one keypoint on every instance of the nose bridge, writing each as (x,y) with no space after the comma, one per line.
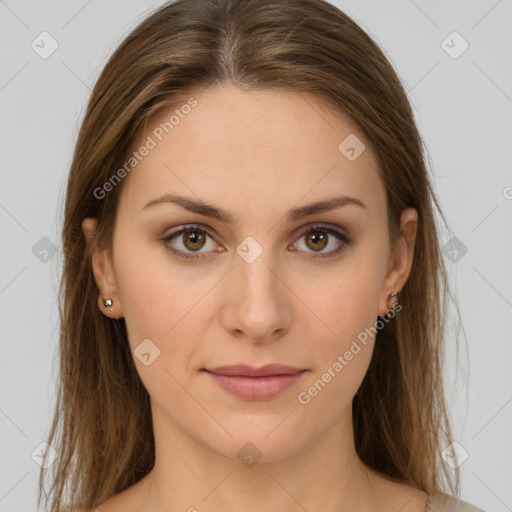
(259,277)
(259,305)
(258,282)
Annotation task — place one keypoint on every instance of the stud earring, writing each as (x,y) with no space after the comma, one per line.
(391,295)
(107,303)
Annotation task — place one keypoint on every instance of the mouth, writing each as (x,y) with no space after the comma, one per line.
(256,383)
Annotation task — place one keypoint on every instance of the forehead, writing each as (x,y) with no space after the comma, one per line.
(250,148)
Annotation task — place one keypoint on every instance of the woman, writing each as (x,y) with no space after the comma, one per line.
(253,295)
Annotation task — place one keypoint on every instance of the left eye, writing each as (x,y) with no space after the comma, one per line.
(194,238)
(318,237)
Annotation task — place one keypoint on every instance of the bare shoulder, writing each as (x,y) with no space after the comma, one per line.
(113,504)
(117,503)
(441,502)
(129,500)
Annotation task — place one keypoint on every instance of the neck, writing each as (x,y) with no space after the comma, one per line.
(189,476)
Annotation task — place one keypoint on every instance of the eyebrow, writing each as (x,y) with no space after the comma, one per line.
(294,214)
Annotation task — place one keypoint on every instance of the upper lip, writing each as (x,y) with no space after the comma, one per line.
(251,371)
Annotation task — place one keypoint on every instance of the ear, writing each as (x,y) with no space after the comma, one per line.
(103,271)
(401,259)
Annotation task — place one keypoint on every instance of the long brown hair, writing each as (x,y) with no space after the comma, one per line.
(102,427)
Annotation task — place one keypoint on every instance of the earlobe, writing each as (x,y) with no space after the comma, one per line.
(108,300)
(402,258)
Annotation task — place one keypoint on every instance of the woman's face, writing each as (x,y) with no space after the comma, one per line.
(258,289)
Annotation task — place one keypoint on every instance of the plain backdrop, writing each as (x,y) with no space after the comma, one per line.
(462,99)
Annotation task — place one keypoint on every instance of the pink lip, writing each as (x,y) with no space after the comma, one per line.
(256,383)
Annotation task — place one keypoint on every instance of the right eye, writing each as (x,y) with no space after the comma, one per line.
(192,238)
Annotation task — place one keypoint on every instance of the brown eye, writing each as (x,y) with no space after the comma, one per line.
(189,239)
(316,240)
(318,237)
(193,239)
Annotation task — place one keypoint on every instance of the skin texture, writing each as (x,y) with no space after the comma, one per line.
(256,155)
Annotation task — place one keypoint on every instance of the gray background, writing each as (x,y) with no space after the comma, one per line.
(463,107)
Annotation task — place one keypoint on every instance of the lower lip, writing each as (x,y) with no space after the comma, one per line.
(256,388)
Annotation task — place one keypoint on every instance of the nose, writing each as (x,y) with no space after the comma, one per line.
(258,304)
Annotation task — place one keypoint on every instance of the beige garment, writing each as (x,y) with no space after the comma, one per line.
(445,503)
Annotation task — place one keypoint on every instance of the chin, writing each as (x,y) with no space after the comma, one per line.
(268,440)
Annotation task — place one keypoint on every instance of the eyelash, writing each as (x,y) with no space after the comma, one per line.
(344,239)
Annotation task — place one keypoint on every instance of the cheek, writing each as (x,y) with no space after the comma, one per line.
(158,327)
(349,309)
(161,303)
(148,295)
(342,359)
(351,298)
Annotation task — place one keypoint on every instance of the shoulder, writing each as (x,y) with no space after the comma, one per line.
(99,508)
(129,500)
(442,502)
